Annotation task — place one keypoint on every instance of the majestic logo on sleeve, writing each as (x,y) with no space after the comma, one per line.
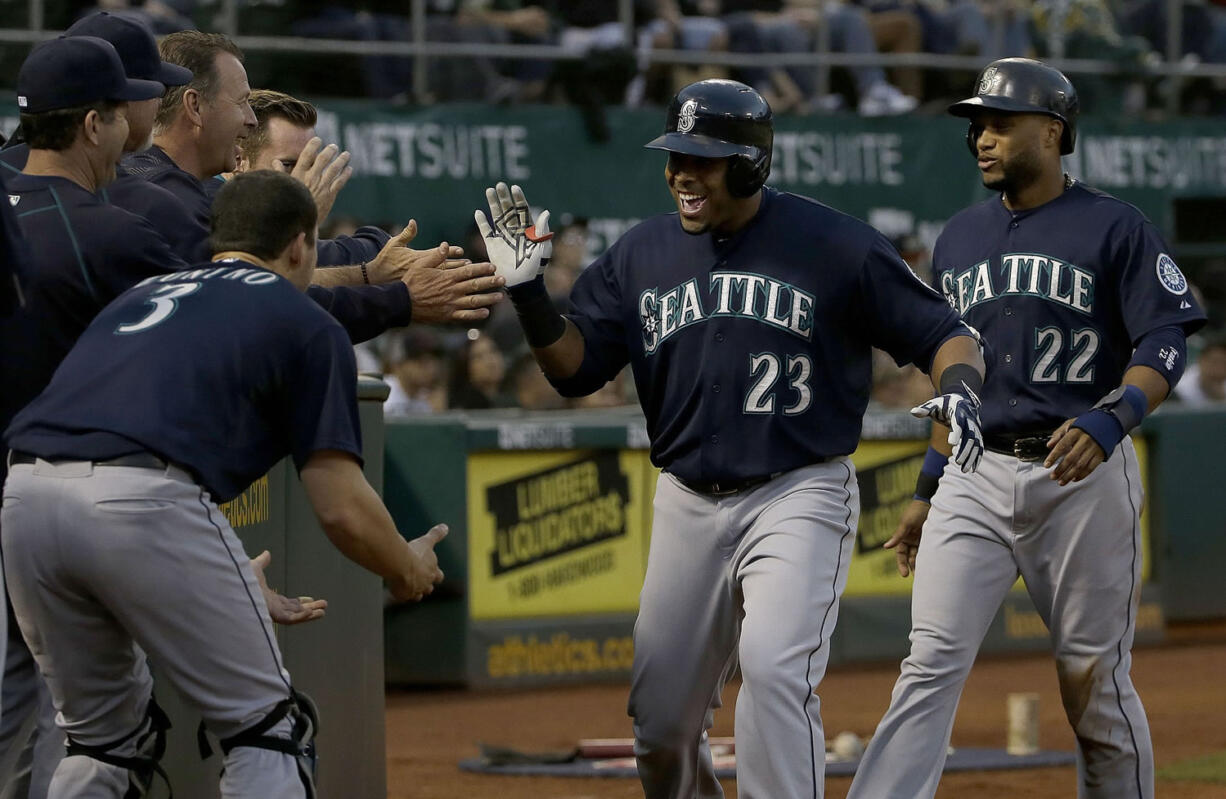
(685,119)
(1169,275)
(739,294)
(1021,274)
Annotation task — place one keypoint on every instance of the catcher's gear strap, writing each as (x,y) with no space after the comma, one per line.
(300,745)
(151,736)
(1164,350)
(542,323)
(1113,416)
(930,475)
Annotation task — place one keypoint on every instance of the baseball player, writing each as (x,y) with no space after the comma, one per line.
(1083,313)
(197,128)
(138,51)
(89,252)
(12,254)
(122,461)
(284,139)
(748,317)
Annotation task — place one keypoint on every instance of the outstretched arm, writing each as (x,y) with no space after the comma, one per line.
(359,525)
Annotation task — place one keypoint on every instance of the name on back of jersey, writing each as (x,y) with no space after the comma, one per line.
(1020,274)
(746,295)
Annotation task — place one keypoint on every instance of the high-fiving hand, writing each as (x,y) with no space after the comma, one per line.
(518,248)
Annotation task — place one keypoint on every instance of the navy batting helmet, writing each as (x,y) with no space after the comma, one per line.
(722,119)
(1022,86)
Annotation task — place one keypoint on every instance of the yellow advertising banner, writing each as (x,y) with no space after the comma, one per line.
(556,533)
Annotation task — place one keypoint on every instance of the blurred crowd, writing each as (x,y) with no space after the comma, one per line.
(613,64)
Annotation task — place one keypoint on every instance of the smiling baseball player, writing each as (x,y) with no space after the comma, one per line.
(748,317)
(1083,313)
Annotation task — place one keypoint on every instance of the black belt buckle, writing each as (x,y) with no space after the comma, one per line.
(726,488)
(1031,449)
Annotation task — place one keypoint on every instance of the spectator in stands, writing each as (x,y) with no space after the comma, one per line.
(515,22)
(415,369)
(967,27)
(391,77)
(690,25)
(613,394)
(344,225)
(897,388)
(1089,29)
(1204,383)
(477,374)
(532,390)
(570,245)
(792,26)
(160,16)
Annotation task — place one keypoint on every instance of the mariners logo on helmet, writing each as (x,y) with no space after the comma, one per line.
(685,118)
(986,80)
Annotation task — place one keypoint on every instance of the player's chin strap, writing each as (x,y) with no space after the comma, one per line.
(300,745)
(150,742)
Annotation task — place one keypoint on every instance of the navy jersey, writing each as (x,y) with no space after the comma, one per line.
(87,253)
(1061,294)
(364,311)
(158,168)
(224,369)
(12,254)
(752,354)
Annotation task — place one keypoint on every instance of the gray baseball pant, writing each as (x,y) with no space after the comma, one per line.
(105,564)
(1078,548)
(753,578)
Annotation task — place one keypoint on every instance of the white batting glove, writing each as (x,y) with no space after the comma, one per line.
(518,249)
(961,413)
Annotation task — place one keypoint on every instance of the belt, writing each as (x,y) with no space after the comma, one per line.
(138,460)
(724,488)
(1027,447)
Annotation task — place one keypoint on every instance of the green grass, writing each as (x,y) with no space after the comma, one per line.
(1208,768)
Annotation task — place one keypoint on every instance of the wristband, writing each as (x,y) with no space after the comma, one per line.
(542,323)
(962,378)
(930,475)
(1113,416)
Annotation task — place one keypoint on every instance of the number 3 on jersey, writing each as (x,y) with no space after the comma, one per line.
(767,367)
(165,301)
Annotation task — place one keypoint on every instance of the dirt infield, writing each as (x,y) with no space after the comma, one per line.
(1180,683)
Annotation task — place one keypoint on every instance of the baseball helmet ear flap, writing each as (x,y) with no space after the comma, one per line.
(747,174)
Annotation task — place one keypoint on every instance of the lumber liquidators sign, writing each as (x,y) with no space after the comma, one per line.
(555,533)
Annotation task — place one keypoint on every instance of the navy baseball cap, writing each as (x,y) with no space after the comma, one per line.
(137,48)
(70,71)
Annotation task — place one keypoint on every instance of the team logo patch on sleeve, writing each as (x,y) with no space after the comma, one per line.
(1170,276)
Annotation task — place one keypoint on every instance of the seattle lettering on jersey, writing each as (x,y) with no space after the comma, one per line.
(738,294)
(1021,274)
